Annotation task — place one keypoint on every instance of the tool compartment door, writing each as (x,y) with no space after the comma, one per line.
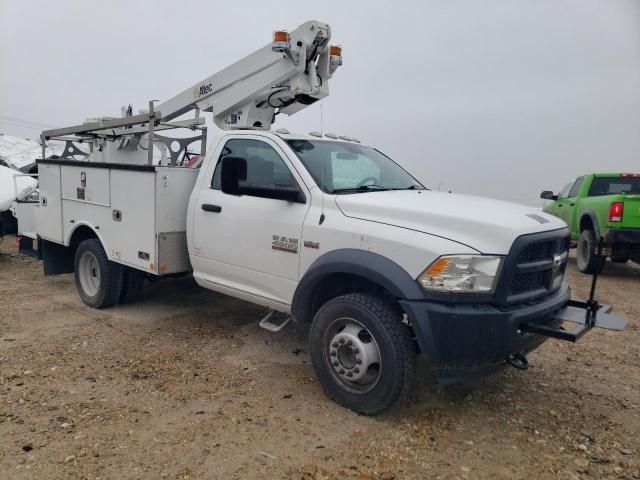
(49,215)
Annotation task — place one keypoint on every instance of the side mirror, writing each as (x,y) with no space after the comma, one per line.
(548,195)
(233,171)
(233,181)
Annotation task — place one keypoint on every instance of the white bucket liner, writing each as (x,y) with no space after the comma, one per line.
(25,186)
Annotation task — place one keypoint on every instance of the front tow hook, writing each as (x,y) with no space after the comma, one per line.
(518,360)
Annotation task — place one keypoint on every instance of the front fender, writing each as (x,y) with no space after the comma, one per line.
(372,266)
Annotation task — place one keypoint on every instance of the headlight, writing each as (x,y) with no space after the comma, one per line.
(462,274)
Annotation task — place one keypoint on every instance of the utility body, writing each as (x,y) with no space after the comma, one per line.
(600,207)
(323,229)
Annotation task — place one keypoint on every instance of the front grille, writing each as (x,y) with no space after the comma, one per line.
(535,252)
(529,270)
(525,282)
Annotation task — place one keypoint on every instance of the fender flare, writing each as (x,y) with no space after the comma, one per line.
(372,266)
(594,220)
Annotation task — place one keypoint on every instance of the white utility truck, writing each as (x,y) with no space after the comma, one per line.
(322,229)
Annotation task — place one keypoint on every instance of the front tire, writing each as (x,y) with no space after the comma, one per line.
(587,258)
(362,353)
(98,280)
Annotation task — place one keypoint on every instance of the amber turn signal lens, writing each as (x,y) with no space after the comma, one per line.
(437,268)
(335,50)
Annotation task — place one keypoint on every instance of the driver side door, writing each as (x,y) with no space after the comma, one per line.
(249,246)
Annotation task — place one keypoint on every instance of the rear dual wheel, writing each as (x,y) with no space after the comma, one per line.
(99,280)
(102,283)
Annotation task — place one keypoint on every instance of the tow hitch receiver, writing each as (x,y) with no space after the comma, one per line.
(587,314)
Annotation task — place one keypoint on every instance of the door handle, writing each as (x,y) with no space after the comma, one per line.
(207,207)
(572,204)
(559,205)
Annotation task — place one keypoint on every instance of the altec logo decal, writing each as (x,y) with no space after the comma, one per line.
(203,90)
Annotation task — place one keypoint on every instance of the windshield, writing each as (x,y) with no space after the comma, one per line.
(339,167)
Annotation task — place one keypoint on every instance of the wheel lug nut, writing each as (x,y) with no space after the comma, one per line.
(335,345)
(341,340)
(349,343)
(356,350)
(358,361)
(333,354)
(356,370)
(335,364)
(349,374)
(341,372)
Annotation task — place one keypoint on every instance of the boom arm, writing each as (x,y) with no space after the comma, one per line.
(282,77)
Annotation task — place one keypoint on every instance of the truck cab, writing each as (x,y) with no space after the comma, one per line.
(299,222)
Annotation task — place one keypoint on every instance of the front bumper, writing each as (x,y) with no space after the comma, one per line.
(465,341)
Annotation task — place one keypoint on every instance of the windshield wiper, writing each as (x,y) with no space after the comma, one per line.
(361,188)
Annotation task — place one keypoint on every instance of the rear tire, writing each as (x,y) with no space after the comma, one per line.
(587,258)
(362,353)
(132,285)
(98,280)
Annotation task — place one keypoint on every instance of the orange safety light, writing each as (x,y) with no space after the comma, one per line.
(281,39)
(281,36)
(335,50)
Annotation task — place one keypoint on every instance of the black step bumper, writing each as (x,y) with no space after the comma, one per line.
(623,242)
(466,341)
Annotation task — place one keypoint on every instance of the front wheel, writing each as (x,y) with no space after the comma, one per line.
(362,353)
(98,280)
(587,257)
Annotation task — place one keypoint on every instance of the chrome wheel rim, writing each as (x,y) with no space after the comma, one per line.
(352,355)
(89,274)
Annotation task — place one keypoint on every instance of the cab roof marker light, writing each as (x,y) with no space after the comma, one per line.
(630,175)
(331,135)
(344,137)
(315,134)
(283,131)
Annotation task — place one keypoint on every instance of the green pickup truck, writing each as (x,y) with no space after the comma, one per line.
(600,206)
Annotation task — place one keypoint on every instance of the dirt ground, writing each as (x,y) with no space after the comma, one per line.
(185,385)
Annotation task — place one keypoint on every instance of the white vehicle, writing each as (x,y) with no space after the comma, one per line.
(324,229)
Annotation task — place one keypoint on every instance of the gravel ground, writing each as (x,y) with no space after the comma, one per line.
(185,385)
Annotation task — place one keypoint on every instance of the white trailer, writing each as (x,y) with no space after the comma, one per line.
(323,228)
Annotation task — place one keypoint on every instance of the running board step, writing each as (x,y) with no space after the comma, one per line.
(268,324)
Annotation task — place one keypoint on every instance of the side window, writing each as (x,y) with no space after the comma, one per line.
(576,188)
(565,190)
(265,167)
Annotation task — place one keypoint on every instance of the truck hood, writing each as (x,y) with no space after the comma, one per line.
(486,225)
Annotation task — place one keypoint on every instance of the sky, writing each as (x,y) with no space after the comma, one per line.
(499,98)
